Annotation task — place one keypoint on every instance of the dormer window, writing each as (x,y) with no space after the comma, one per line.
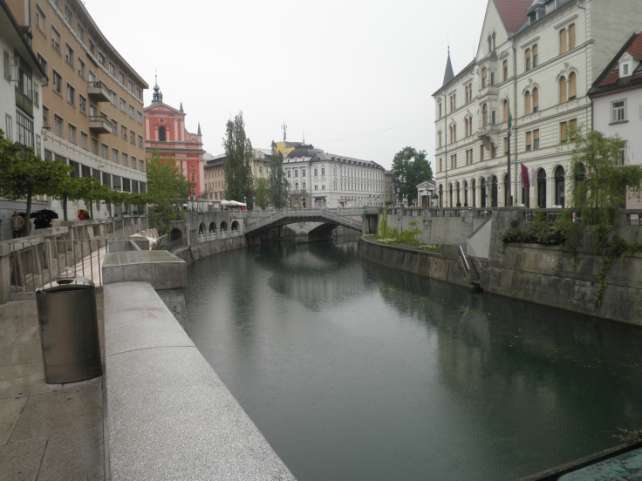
(626,66)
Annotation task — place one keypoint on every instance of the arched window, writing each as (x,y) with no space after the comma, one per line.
(213,228)
(162,134)
(493,191)
(541,189)
(504,70)
(201,229)
(482,191)
(465,193)
(563,90)
(535,99)
(527,59)
(450,195)
(572,85)
(473,192)
(528,105)
(507,202)
(458,204)
(485,115)
(560,186)
(505,110)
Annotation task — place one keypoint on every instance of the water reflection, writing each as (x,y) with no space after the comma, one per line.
(354,372)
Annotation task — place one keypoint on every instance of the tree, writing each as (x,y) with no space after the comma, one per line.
(409,169)
(166,191)
(278,182)
(238,161)
(262,193)
(24,175)
(600,179)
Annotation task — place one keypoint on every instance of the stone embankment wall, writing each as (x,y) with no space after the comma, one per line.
(442,266)
(551,276)
(200,250)
(541,274)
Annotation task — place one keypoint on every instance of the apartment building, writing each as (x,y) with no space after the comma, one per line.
(617,106)
(92,108)
(214,172)
(21,81)
(323,180)
(535,63)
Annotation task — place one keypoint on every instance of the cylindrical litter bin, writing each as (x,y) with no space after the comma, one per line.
(69,331)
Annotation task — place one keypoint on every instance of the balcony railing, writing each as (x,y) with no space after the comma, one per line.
(99,124)
(97,92)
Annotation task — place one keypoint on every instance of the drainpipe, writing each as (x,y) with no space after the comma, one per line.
(515,121)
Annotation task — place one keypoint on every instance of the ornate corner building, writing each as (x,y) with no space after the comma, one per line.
(167,137)
(519,103)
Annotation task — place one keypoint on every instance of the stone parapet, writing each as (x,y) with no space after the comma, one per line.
(162,269)
(169,416)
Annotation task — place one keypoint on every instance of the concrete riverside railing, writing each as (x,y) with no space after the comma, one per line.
(168,415)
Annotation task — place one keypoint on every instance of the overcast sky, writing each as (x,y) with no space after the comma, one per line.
(354,75)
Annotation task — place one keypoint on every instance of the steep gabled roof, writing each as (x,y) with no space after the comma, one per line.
(514,13)
(449,74)
(610,80)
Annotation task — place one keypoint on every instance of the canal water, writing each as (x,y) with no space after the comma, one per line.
(355,372)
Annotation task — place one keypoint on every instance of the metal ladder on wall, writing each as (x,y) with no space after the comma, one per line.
(470,269)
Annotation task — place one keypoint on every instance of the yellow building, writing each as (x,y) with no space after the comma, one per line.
(93,105)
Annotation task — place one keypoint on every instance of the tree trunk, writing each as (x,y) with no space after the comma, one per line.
(28,215)
(65,199)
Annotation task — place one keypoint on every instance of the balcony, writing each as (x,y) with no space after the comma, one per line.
(98,92)
(99,124)
(485,132)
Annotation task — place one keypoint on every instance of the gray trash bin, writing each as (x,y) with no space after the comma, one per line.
(69,331)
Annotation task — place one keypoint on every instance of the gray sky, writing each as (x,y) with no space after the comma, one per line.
(354,75)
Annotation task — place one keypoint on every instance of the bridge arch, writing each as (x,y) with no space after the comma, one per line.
(223,226)
(235,226)
(175,234)
(212,227)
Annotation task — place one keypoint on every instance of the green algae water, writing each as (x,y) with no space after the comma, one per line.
(354,372)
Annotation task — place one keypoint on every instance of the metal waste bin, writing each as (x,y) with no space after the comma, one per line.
(69,331)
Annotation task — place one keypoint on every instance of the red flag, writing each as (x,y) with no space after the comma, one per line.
(525,179)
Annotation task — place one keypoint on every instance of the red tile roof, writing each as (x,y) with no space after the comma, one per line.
(610,79)
(635,49)
(513,13)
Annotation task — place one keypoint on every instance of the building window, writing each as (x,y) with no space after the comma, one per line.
(563,90)
(618,111)
(453,161)
(84,140)
(534,55)
(484,77)
(7,65)
(529,141)
(132,137)
(527,59)
(8,121)
(40,19)
(115,155)
(535,99)
(528,105)
(45,117)
(71,134)
(57,82)
(560,187)
(58,126)
(55,39)
(563,41)
(571,36)
(162,134)
(535,139)
(123,132)
(572,130)
(439,139)
(504,70)
(24,127)
(71,95)
(468,89)
(81,69)
(69,56)
(572,85)
(82,104)
(563,132)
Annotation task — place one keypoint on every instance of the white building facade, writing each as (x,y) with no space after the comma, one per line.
(21,81)
(320,180)
(535,64)
(617,106)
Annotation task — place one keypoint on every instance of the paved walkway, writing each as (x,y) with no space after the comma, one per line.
(47,433)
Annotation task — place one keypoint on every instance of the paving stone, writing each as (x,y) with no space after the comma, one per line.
(20,461)
(10,410)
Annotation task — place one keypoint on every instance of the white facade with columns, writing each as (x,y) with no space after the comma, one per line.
(536,62)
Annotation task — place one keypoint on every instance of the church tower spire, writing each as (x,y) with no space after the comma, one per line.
(449,74)
(157,97)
